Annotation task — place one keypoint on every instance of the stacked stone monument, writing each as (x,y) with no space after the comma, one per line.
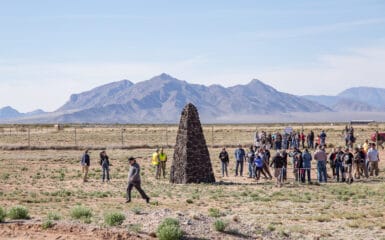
(191,163)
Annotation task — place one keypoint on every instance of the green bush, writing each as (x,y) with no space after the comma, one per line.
(81,212)
(219,225)
(169,229)
(47,224)
(18,212)
(114,219)
(3,214)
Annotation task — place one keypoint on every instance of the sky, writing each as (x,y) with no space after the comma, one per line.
(52,49)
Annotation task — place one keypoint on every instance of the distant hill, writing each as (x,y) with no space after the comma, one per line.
(357,99)
(161,98)
(11,113)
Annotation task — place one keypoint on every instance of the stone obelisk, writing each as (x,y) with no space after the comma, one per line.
(191,163)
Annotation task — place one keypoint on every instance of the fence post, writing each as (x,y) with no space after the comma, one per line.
(122,136)
(76,141)
(29,137)
(166,136)
(212,136)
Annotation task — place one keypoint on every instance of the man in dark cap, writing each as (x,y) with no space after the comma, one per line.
(134,180)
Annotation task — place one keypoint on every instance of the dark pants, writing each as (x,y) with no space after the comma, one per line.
(163,168)
(340,169)
(106,173)
(321,170)
(240,167)
(224,168)
(137,186)
(306,173)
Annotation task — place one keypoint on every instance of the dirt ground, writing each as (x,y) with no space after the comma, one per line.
(49,181)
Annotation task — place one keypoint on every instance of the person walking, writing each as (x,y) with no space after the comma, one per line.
(134,180)
(224,157)
(373,159)
(105,164)
(306,164)
(162,162)
(240,158)
(155,163)
(321,157)
(258,165)
(85,165)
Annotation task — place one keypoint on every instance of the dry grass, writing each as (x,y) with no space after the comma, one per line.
(50,181)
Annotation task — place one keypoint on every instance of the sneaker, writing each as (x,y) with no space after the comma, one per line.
(128,201)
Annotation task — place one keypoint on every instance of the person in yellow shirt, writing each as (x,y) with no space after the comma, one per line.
(155,162)
(162,161)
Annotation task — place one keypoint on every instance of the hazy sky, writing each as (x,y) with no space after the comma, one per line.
(51,49)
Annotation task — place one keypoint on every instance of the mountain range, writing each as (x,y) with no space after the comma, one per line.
(161,98)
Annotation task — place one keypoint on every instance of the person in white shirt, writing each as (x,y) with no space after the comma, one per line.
(373,159)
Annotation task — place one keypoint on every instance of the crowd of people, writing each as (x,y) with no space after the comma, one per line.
(345,163)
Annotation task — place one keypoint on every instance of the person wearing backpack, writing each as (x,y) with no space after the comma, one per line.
(105,164)
(85,163)
(250,161)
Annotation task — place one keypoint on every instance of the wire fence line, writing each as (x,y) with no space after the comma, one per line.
(147,136)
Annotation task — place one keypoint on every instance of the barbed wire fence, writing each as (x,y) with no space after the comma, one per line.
(150,136)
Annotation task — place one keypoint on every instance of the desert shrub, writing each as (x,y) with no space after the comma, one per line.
(169,229)
(189,201)
(18,212)
(81,212)
(114,219)
(214,212)
(219,225)
(47,224)
(3,214)
(53,216)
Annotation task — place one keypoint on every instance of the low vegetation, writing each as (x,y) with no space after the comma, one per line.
(18,212)
(169,229)
(114,218)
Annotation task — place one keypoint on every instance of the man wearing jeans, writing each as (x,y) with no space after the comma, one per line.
(240,158)
(134,180)
(224,157)
(306,164)
(321,157)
